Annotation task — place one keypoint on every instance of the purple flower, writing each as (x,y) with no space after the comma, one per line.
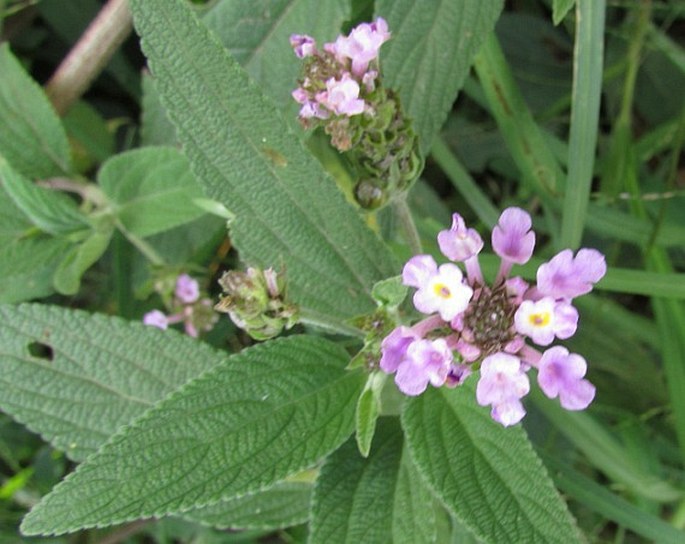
(561,373)
(394,348)
(304,45)
(566,276)
(426,361)
(362,45)
(502,384)
(187,289)
(418,270)
(342,96)
(155,318)
(512,238)
(544,319)
(459,243)
(444,292)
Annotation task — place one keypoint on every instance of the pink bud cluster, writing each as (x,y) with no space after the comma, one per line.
(338,76)
(472,326)
(187,307)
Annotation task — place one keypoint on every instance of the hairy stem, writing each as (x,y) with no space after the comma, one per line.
(403,214)
(90,55)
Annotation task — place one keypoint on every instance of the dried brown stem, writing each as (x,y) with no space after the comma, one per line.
(90,54)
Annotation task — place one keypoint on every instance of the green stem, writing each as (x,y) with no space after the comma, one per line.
(141,245)
(406,220)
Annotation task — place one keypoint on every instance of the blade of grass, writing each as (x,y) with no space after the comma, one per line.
(587,91)
(464,183)
(604,452)
(524,139)
(598,499)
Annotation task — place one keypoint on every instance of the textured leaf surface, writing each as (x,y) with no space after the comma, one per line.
(152,188)
(488,476)
(353,496)
(265,413)
(414,511)
(91,374)
(430,54)
(32,137)
(257,34)
(283,505)
(289,213)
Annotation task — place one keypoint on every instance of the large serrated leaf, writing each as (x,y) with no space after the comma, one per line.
(32,137)
(430,54)
(265,413)
(353,496)
(257,32)
(289,213)
(488,476)
(282,505)
(414,510)
(88,374)
(152,189)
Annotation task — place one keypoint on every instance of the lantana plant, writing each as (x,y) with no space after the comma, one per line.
(476,327)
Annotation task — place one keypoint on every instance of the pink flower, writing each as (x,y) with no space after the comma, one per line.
(560,374)
(187,289)
(155,318)
(502,384)
(459,243)
(394,348)
(566,276)
(426,361)
(342,96)
(512,239)
(544,319)
(440,289)
(362,45)
(304,45)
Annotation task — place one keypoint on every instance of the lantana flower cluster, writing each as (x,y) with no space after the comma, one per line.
(187,306)
(472,326)
(341,90)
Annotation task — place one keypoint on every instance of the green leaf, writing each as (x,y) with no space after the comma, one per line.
(265,413)
(155,127)
(51,211)
(353,496)
(487,475)
(368,410)
(80,258)
(414,519)
(32,138)
(289,213)
(588,57)
(75,378)
(283,505)
(27,262)
(560,9)
(390,292)
(91,138)
(152,189)
(261,43)
(430,54)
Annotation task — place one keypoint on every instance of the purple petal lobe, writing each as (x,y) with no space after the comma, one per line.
(560,374)
(459,243)
(566,276)
(512,238)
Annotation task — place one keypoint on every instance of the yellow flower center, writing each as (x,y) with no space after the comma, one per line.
(442,290)
(540,319)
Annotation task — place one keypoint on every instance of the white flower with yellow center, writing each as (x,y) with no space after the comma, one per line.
(444,292)
(544,319)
